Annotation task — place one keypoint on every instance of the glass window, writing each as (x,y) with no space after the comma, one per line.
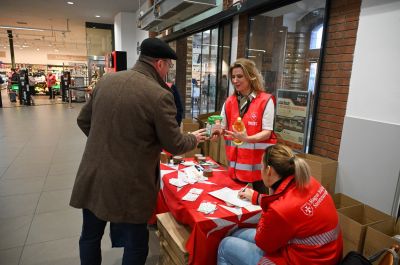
(172,71)
(316,37)
(210,51)
(285,44)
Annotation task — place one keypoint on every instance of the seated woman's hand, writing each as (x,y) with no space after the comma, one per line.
(246,193)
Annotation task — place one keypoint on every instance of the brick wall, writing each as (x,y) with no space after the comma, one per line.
(335,76)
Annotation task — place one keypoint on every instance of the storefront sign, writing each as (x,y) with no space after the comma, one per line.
(64,57)
(291,118)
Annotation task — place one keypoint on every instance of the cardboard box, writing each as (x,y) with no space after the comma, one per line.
(354,222)
(222,153)
(214,149)
(323,169)
(189,125)
(343,201)
(202,118)
(381,235)
(173,238)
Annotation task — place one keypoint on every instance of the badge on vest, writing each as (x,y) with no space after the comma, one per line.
(253,117)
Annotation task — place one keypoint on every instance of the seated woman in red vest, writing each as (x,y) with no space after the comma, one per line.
(256,109)
(298,225)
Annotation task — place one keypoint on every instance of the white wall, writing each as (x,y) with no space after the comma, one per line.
(127,35)
(369,157)
(140,35)
(375,81)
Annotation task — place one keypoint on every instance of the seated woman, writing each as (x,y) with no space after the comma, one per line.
(299,224)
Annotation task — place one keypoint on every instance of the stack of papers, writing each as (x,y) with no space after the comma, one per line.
(230,196)
(192,195)
(207,207)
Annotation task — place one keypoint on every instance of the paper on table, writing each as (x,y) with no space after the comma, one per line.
(196,191)
(235,210)
(190,197)
(230,196)
(177,182)
(252,208)
(207,207)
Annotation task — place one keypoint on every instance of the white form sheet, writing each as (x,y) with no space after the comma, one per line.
(230,196)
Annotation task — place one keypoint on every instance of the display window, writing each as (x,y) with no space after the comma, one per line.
(286,44)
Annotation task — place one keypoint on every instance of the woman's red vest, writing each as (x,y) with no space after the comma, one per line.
(244,161)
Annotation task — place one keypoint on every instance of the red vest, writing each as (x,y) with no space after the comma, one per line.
(299,227)
(244,161)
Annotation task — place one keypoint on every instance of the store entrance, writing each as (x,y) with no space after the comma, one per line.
(36,85)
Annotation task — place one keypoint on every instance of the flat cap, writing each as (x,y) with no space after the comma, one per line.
(157,48)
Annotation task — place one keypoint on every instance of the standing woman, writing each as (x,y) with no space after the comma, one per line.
(299,224)
(256,109)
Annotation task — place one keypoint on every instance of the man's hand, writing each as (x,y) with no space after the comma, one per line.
(200,135)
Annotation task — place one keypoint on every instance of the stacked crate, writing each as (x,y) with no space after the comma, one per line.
(173,237)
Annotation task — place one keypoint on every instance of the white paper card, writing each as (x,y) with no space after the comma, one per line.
(190,197)
(177,182)
(196,191)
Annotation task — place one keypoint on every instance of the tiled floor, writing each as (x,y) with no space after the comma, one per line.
(40,150)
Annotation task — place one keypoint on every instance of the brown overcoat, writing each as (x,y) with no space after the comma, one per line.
(129,119)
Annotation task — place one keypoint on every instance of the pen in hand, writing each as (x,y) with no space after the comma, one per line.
(244,188)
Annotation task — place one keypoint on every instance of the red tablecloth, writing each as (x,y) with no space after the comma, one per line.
(207,230)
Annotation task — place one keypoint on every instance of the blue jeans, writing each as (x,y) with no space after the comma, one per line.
(239,248)
(133,237)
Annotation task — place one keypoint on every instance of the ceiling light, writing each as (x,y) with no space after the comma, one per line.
(38,49)
(20,28)
(70,3)
(97,16)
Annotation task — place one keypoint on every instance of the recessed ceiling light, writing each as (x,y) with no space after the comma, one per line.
(97,16)
(70,3)
(38,49)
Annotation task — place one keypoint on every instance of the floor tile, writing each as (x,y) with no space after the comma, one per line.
(57,252)
(55,225)
(26,170)
(13,231)
(54,201)
(2,170)
(59,182)
(64,168)
(18,205)
(20,186)
(10,256)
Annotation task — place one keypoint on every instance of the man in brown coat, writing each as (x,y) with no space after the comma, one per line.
(129,119)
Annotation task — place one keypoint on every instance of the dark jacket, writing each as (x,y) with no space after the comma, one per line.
(129,119)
